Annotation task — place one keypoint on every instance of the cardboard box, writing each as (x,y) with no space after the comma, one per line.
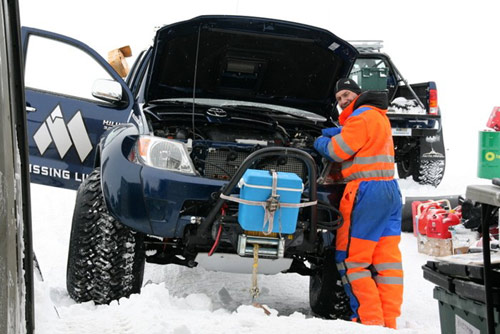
(116,58)
(434,246)
(459,243)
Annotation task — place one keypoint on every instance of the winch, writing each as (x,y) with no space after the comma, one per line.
(268,247)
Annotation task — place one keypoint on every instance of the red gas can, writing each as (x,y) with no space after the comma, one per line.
(437,225)
(416,214)
(425,211)
(494,120)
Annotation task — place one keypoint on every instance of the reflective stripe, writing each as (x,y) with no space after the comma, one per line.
(332,153)
(347,164)
(388,280)
(367,160)
(341,266)
(344,280)
(351,265)
(358,275)
(374,159)
(388,265)
(370,173)
(359,111)
(340,141)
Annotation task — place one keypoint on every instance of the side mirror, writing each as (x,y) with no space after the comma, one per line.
(107,90)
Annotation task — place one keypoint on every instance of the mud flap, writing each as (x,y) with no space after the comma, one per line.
(432,147)
(431,160)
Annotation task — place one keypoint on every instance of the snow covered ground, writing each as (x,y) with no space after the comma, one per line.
(179,300)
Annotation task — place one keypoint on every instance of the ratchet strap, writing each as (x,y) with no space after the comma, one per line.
(271,205)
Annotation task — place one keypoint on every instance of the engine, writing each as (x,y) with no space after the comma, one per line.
(217,150)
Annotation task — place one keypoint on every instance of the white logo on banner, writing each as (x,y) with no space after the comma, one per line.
(63,135)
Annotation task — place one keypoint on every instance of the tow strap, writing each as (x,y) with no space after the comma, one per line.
(254,290)
(271,205)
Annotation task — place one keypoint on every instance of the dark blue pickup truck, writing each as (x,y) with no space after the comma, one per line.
(160,160)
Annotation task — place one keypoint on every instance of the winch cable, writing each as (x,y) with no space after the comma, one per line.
(194,79)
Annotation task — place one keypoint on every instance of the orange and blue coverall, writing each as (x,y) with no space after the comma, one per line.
(367,252)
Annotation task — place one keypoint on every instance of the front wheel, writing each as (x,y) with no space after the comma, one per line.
(327,297)
(106,258)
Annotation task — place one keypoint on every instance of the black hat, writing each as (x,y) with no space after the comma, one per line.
(349,84)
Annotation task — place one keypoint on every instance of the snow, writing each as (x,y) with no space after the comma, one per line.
(405,106)
(182,301)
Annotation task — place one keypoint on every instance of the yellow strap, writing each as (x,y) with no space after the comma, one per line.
(254,290)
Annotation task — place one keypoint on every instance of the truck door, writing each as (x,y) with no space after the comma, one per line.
(65,118)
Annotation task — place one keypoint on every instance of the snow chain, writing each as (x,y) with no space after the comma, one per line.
(254,290)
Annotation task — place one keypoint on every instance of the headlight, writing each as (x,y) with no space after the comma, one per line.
(162,153)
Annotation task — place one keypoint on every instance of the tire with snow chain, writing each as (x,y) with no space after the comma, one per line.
(327,297)
(106,258)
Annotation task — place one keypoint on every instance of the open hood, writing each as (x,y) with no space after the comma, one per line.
(249,59)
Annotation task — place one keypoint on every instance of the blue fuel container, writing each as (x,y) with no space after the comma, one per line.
(256,185)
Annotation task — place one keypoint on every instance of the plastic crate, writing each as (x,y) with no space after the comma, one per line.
(488,166)
(462,315)
(373,78)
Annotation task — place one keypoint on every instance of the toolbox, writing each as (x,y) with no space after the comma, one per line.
(256,186)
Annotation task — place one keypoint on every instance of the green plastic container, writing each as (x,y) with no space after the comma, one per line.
(462,315)
(373,78)
(488,165)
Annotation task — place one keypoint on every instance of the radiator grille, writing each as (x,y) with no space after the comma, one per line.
(223,164)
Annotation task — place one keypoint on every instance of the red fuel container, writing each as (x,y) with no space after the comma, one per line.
(494,120)
(423,211)
(438,223)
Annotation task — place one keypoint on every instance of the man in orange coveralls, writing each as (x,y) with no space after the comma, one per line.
(367,255)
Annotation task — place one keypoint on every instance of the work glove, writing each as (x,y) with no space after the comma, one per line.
(321,145)
(330,132)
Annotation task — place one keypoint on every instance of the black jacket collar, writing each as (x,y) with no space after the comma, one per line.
(376,99)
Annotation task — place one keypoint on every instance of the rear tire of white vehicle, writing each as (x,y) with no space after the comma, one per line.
(106,258)
(327,296)
(405,168)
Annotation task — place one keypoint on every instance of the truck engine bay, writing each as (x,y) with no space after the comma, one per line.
(223,137)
